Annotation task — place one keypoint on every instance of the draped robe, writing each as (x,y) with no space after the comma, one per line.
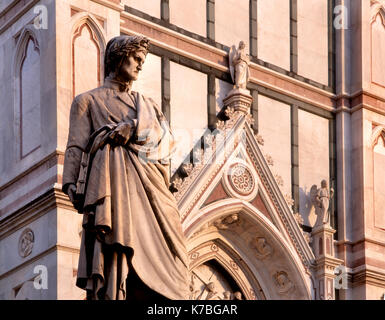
(127,203)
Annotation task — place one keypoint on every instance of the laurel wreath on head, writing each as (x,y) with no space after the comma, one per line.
(121,46)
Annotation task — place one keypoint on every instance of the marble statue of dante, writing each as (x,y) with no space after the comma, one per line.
(116,173)
(239,65)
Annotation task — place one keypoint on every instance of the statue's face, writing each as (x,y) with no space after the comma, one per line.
(129,71)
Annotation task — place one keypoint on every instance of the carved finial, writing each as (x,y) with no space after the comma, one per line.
(220,125)
(208,139)
(229,112)
(187,168)
(279,180)
(177,183)
(259,139)
(298,218)
(269,160)
(249,119)
(289,200)
(198,155)
(308,237)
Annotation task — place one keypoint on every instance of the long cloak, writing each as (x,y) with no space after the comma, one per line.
(127,203)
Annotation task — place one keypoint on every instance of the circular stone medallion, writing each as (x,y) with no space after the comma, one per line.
(241,179)
(26,241)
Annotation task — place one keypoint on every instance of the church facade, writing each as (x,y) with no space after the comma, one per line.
(250,170)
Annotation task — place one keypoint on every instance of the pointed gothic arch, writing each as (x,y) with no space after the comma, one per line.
(378,8)
(85,25)
(260,251)
(377,42)
(378,131)
(27,122)
(378,165)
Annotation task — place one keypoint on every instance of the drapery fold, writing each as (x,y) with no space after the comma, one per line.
(130,216)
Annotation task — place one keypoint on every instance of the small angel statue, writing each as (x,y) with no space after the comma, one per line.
(321,198)
(239,65)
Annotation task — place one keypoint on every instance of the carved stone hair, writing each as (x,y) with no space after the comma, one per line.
(121,47)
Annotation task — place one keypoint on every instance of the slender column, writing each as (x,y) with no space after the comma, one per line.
(165,10)
(211,101)
(254,110)
(294,158)
(293,37)
(211,19)
(254,28)
(166,87)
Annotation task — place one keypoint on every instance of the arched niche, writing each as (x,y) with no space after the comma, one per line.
(87,53)
(213,261)
(378,150)
(377,30)
(256,249)
(27,93)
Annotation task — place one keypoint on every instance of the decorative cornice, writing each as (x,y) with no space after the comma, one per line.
(110,4)
(49,250)
(40,163)
(13,12)
(368,276)
(52,199)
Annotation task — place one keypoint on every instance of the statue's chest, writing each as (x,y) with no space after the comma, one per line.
(112,109)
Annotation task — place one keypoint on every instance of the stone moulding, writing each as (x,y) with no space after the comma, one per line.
(200,169)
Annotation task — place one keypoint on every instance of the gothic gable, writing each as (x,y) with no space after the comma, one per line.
(231,195)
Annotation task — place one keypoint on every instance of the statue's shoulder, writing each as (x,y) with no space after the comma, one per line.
(88,96)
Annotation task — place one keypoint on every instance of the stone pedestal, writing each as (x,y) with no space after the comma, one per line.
(239,99)
(326,262)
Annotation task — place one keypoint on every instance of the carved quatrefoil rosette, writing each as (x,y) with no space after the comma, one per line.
(240,181)
(26,240)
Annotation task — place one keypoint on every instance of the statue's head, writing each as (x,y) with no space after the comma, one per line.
(324,184)
(242,45)
(124,57)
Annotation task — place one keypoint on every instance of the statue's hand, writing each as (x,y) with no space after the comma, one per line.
(71,191)
(121,134)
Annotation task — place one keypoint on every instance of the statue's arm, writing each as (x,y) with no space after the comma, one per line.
(78,135)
